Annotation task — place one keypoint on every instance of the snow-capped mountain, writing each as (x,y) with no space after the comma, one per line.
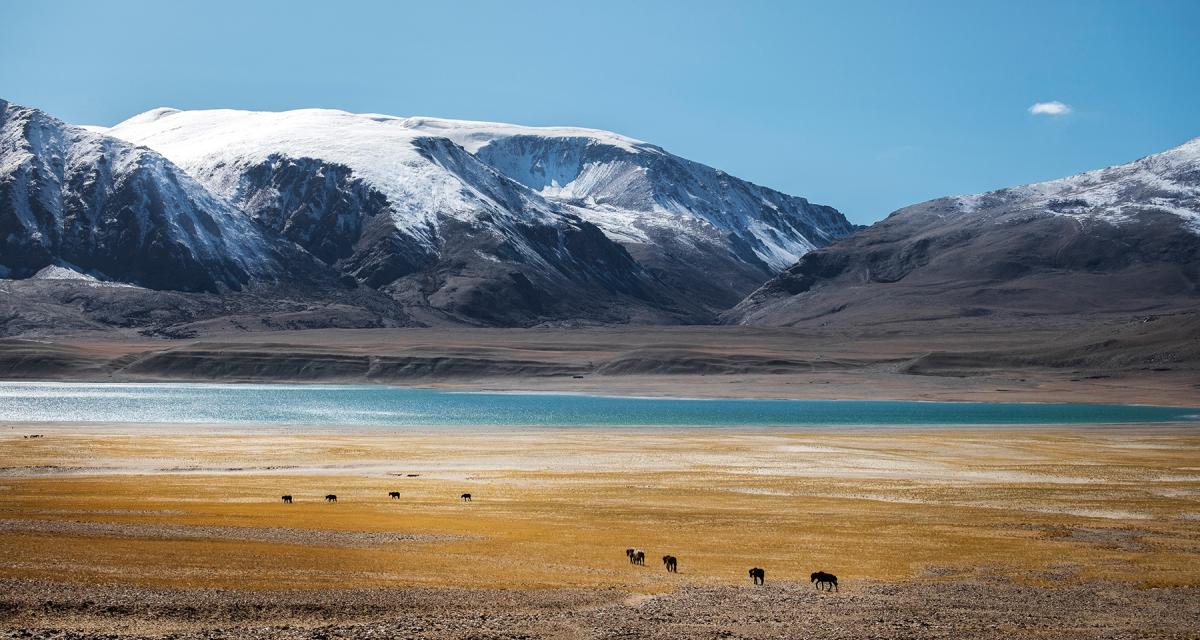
(415,217)
(428,220)
(439,212)
(1124,238)
(108,210)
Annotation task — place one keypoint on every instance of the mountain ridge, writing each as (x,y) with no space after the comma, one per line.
(453,221)
(1125,238)
(632,190)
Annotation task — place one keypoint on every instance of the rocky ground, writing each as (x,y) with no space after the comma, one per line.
(977,606)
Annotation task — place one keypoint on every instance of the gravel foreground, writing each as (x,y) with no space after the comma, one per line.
(977,607)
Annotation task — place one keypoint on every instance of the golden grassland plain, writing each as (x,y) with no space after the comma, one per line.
(196,507)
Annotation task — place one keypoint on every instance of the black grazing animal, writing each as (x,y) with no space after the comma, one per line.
(828,579)
(287,499)
(466,497)
(629,553)
(394,494)
(331,498)
(639,557)
(671,563)
(759,576)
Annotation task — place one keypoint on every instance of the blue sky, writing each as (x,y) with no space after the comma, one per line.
(867,106)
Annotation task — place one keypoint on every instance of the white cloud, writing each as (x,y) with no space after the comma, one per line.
(1052,108)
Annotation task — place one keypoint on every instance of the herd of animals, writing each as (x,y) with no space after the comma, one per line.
(820,579)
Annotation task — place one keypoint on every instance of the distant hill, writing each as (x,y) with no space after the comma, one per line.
(1115,240)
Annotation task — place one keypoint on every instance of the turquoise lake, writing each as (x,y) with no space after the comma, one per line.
(384,407)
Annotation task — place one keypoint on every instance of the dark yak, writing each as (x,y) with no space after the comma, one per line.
(828,579)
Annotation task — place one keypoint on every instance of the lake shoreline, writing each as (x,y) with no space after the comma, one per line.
(341,407)
(67,428)
(487,389)
(1117,359)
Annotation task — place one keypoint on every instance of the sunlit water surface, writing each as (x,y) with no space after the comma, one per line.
(378,406)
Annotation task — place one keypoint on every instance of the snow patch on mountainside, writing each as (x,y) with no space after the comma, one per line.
(57,272)
(69,272)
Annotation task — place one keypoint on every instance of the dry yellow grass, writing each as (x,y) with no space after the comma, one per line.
(557,508)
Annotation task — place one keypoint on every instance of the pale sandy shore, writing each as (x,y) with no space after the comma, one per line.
(1068,532)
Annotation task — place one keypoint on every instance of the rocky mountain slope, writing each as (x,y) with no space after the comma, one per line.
(684,220)
(1121,239)
(106,210)
(496,223)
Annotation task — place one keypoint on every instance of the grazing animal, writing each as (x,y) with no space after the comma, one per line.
(394,494)
(629,554)
(828,579)
(759,576)
(287,499)
(671,563)
(466,497)
(331,498)
(639,557)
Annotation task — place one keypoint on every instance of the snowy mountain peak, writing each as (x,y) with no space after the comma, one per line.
(683,220)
